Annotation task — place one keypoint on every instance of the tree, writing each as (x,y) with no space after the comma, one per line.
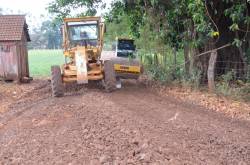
(51,31)
(196,26)
(63,8)
(193,25)
(48,36)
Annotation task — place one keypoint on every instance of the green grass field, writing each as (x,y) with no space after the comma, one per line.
(40,61)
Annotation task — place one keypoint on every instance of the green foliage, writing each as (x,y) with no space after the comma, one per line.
(192,80)
(224,85)
(63,8)
(248,57)
(116,29)
(175,22)
(158,73)
(167,22)
(51,31)
(237,42)
(160,25)
(48,36)
(160,66)
(150,40)
(237,89)
(238,12)
(245,92)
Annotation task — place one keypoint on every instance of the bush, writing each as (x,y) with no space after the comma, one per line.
(228,86)
(223,86)
(192,80)
(158,73)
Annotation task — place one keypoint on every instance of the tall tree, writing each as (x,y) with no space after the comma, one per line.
(193,25)
(51,31)
(48,36)
(64,8)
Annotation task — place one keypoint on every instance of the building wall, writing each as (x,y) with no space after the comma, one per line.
(8,61)
(14,59)
(23,57)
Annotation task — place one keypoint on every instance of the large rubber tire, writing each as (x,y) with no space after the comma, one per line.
(109,76)
(56,82)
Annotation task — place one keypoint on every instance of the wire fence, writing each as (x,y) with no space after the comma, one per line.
(174,62)
(163,62)
(238,70)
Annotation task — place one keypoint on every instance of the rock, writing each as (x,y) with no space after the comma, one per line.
(160,150)
(104,159)
(142,156)
(135,141)
(144,146)
(145,157)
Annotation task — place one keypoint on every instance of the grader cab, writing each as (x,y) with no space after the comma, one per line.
(83,40)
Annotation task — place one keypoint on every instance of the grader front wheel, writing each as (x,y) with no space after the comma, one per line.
(56,82)
(110,78)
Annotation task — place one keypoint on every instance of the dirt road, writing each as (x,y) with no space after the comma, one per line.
(130,126)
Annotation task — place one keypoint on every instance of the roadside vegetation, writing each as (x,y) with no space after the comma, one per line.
(170,39)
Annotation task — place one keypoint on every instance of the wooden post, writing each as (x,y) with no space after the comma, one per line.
(175,58)
(211,70)
(186,57)
(175,63)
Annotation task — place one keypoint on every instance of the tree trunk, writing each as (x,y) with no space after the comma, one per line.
(231,58)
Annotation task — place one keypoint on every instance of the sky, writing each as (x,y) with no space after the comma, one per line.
(32,8)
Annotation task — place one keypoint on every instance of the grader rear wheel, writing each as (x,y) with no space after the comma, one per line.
(110,78)
(56,82)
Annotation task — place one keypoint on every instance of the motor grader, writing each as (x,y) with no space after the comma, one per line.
(83,40)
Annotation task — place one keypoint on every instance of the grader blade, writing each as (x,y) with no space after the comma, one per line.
(81,67)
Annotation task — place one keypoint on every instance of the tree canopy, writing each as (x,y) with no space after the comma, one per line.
(65,7)
(47,36)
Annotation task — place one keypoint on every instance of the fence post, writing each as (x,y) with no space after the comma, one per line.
(211,70)
(175,63)
(175,58)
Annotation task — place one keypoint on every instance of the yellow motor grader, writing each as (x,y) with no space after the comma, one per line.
(83,40)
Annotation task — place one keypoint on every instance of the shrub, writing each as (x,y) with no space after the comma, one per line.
(223,85)
(192,79)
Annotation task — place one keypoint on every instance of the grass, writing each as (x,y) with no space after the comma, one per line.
(160,64)
(40,61)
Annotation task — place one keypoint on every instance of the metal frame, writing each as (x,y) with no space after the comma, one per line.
(89,54)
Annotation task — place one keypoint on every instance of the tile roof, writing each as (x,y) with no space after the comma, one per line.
(12,26)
